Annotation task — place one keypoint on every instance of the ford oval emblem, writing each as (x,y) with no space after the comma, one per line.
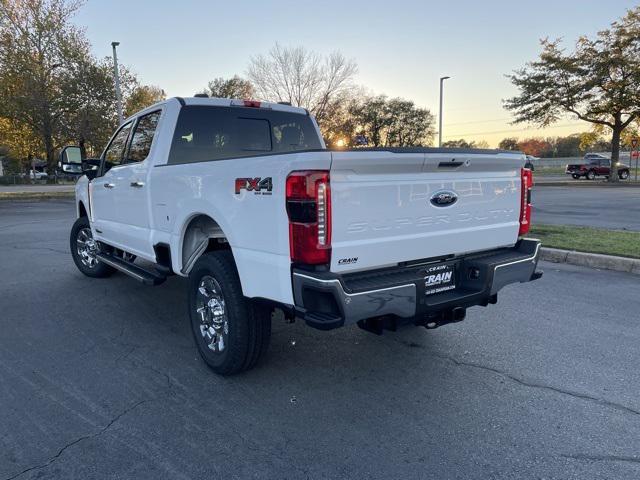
(443,198)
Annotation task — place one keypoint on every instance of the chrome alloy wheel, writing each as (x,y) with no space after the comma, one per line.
(87,248)
(214,325)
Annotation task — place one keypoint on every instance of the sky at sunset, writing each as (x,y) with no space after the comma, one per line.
(401,47)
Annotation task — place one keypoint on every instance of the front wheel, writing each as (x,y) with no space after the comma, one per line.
(231,331)
(84,249)
(624,174)
(591,175)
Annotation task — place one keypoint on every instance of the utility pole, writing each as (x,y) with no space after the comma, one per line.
(116,76)
(442,79)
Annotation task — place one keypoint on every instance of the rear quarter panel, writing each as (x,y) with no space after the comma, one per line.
(254,223)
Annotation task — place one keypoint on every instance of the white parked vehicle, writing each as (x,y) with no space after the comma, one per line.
(244,199)
(37,175)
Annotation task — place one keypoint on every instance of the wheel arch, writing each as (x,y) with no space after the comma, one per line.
(200,233)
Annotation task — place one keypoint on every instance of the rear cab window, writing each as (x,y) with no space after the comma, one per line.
(208,133)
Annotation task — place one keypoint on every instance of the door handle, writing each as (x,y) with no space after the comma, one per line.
(108,185)
(137,184)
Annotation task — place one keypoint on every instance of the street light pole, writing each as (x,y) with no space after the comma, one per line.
(442,79)
(116,76)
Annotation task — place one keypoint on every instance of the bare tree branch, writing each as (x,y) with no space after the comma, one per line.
(301,77)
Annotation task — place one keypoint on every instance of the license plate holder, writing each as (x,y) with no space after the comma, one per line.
(439,279)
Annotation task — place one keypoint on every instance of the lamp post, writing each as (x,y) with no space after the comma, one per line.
(442,79)
(116,76)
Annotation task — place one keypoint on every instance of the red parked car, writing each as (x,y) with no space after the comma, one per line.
(596,166)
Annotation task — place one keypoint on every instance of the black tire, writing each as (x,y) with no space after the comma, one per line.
(591,175)
(96,269)
(246,328)
(575,176)
(623,175)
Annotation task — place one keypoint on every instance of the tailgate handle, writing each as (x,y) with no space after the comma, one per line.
(451,164)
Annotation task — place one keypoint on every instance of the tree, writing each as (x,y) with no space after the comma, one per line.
(598,82)
(300,77)
(339,128)
(461,143)
(408,125)
(536,147)
(383,122)
(508,144)
(371,118)
(234,87)
(50,84)
(593,141)
(38,44)
(567,146)
(18,143)
(92,114)
(143,96)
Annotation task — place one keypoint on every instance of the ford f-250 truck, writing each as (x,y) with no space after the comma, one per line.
(244,199)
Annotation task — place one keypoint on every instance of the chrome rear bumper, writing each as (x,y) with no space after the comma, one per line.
(327,300)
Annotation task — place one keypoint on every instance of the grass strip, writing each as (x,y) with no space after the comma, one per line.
(586,239)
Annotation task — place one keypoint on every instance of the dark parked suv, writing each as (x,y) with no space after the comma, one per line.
(596,165)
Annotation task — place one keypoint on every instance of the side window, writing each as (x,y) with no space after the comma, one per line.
(201,134)
(605,163)
(143,137)
(115,151)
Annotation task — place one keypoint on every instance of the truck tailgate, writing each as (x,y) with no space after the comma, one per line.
(390,207)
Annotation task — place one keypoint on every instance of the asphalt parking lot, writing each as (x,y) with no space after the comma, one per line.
(591,206)
(100,379)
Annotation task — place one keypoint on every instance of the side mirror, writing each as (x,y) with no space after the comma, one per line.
(90,167)
(71,160)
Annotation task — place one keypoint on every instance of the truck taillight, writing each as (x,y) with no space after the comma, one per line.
(309,210)
(526,178)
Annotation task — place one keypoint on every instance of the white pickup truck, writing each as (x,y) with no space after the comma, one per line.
(243,198)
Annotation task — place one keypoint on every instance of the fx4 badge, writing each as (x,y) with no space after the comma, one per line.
(261,186)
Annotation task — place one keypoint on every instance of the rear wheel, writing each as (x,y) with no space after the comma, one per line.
(231,331)
(624,174)
(84,249)
(591,175)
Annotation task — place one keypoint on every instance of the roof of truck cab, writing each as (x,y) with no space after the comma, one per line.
(235,102)
(217,102)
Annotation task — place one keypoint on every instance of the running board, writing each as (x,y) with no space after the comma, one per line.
(147,277)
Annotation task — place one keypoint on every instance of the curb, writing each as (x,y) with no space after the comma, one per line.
(591,260)
(561,183)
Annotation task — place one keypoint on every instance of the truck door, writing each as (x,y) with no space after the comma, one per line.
(122,211)
(102,189)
